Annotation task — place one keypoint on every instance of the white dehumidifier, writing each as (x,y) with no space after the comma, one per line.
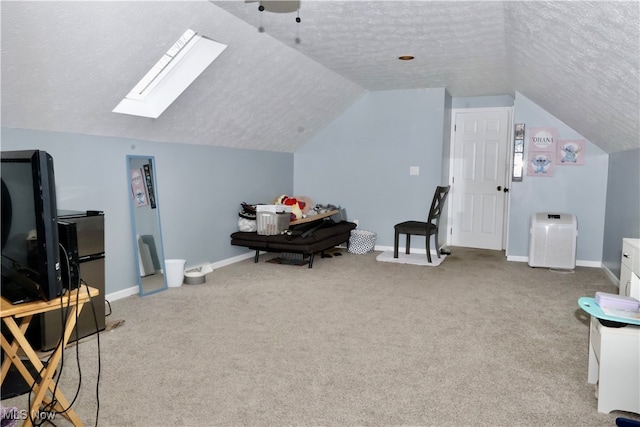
(552,240)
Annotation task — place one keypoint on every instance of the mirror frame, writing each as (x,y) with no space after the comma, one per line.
(134,226)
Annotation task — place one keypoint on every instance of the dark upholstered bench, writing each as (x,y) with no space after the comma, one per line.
(319,237)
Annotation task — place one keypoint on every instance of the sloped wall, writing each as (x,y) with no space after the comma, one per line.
(578,190)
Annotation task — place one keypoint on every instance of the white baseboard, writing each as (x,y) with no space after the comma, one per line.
(579,263)
(232,260)
(611,276)
(594,264)
(134,290)
(207,267)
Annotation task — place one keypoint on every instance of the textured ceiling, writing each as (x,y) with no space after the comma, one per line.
(457,45)
(65,65)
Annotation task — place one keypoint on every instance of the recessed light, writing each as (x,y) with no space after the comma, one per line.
(405,58)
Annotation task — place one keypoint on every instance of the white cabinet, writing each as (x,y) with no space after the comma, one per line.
(614,365)
(630,265)
(614,353)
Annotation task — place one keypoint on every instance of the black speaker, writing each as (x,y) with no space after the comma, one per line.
(69,259)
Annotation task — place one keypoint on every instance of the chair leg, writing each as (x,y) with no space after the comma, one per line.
(408,244)
(429,248)
(396,237)
(435,242)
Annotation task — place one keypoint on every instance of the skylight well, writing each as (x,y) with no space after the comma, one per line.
(189,56)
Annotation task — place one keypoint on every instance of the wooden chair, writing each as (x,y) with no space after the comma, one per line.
(421,228)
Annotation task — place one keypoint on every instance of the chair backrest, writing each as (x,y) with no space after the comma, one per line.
(437,204)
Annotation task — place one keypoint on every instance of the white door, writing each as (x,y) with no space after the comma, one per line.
(480,147)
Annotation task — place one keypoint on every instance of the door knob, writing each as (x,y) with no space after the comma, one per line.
(506,190)
(499,188)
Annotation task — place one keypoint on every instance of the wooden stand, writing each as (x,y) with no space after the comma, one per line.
(315,217)
(74,300)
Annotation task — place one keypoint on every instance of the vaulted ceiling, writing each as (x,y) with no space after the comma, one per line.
(66,65)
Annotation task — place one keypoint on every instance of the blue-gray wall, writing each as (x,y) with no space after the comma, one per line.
(578,190)
(199,192)
(623,206)
(361,161)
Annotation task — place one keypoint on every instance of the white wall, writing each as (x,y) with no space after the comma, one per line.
(578,190)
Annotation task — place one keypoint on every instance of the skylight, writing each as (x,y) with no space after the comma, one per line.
(189,56)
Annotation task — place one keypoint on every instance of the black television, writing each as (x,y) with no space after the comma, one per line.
(30,252)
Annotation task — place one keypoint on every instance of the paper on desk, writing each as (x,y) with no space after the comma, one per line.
(620,312)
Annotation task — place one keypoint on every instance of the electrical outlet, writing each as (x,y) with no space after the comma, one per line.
(414,170)
(355,221)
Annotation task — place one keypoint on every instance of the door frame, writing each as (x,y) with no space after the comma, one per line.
(508,170)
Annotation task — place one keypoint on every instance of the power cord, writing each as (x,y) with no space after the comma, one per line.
(64,316)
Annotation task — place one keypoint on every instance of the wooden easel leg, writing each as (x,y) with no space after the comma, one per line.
(46,382)
(11,350)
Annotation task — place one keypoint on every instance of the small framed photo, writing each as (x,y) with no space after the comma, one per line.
(518,146)
(518,167)
(519,132)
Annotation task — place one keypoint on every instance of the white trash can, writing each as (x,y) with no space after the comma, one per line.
(175,272)
(362,241)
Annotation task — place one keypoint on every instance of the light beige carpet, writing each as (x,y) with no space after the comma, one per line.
(478,341)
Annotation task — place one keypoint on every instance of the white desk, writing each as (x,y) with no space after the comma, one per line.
(614,364)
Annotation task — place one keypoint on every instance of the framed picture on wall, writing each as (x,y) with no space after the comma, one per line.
(542,151)
(540,164)
(138,190)
(542,139)
(570,152)
(518,153)
(519,131)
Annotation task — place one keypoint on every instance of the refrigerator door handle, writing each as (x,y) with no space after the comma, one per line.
(87,258)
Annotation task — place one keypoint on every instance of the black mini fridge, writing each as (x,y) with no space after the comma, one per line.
(91,258)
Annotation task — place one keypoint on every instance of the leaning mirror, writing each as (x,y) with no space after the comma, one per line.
(145,221)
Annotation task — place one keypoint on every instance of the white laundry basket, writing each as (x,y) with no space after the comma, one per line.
(362,241)
(175,272)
